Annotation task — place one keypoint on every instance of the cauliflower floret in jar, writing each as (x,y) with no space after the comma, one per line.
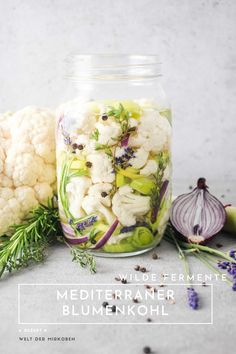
(128,206)
(78,116)
(108,133)
(101,192)
(153,133)
(101,169)
(98,201)
(119,151)
(76,190)
(84,145)
(150,168)
(139,159)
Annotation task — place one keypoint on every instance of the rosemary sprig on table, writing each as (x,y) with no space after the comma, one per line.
(30,240)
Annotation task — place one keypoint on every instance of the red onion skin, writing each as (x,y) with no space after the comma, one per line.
(184,200)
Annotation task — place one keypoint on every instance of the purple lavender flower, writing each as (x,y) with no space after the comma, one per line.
(223,265)
(70,221)
(125,229)
(81,226)
(232,254)
(230,267)
(193,298)
(124,159)
(67,140)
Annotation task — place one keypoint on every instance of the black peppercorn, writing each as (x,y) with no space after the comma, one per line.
(147,350)
(123,281)
(74,146)
(80,147)
(105,304)
(89,164)
(104,117)
(113,308)
(137,267)
(143,270)
(104,194)
(154,255)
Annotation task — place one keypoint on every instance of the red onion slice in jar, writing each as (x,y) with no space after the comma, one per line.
(71,237)
(107,235)
(198,215)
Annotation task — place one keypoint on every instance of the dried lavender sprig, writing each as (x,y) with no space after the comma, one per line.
(230,267)
(193,298)
(232,254)
(210,266)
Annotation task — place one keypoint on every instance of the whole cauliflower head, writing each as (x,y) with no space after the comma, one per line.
(127,206)
(27,163)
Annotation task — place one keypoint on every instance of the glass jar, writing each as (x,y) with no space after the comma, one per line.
(113,155)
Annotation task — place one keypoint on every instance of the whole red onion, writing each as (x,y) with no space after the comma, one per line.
(198,215)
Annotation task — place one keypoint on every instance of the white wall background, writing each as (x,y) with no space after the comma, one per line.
(195,39)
